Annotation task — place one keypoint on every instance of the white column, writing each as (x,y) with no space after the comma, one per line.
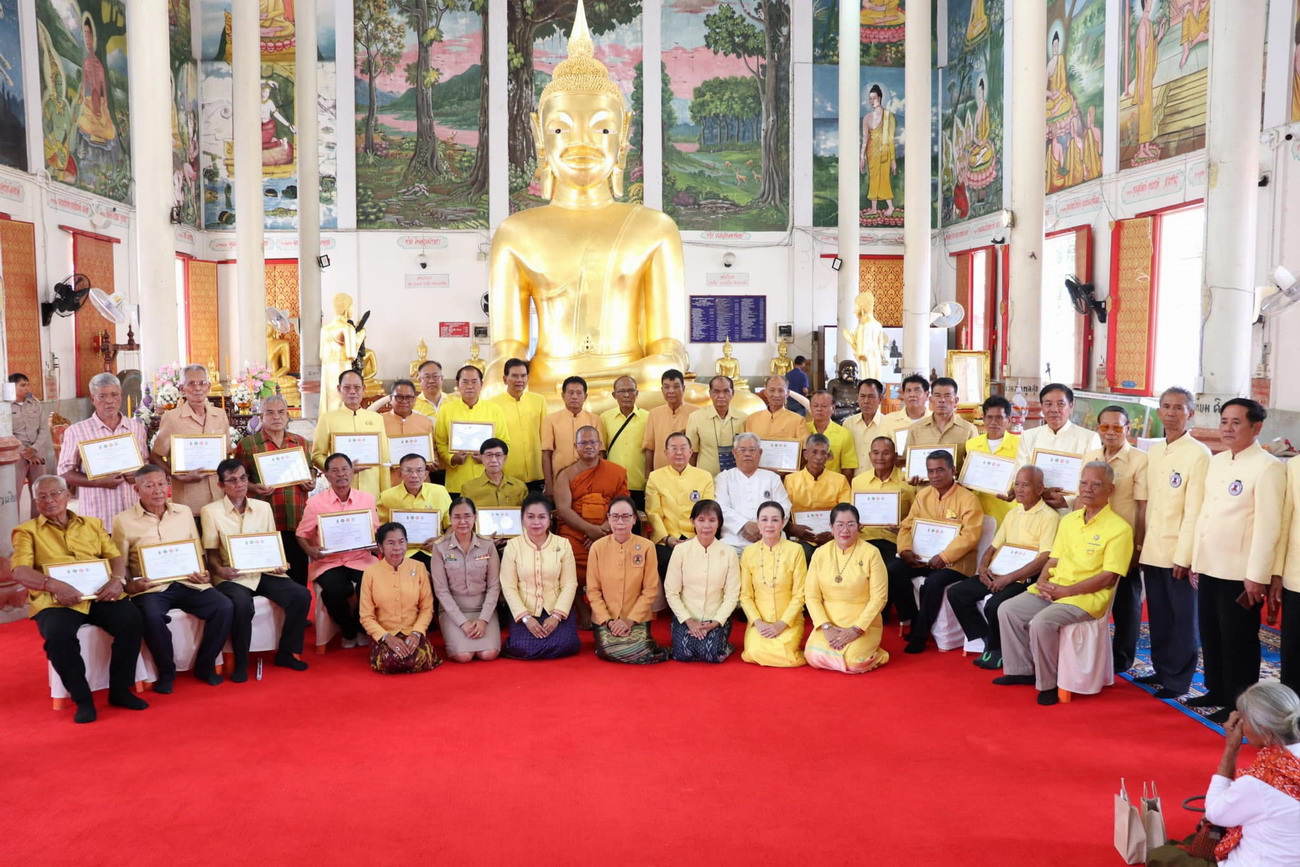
(916,191)
(498,117)
(9,484)
(1028,161)
(306,118)
(246,96)
(151,137)
(1231,204)
(651,119)
(849,178)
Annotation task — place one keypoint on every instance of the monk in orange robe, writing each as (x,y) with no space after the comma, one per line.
(583,492)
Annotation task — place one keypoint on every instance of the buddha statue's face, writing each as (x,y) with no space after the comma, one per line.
(582,134)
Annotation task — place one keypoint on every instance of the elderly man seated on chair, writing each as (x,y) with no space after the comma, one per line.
(1093,548)
(57,536)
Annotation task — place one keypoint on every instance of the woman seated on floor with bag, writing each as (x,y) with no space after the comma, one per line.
(1261,806)
(396,607)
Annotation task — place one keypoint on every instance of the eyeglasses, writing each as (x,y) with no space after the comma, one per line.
(403,397)
(625,391)
(844,525)
(621,516)
(1111,428)
(493,456)
(588,442)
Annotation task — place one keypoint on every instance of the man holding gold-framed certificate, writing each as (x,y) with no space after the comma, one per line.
(102,496)
(424,507)
(336,564)
(46,549)
(351,419)
(160,542)
(1017,556)
(246,557)
(192,440)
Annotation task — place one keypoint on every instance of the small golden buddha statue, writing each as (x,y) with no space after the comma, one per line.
(370,375)
(278,359)
(474,360)
(727,366)
(214,375)
(421,356)
(606,278)
(783,363)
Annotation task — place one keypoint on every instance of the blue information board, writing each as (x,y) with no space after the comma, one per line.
(742,318)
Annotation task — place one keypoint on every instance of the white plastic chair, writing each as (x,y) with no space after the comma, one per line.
(96,653)
(187,632)
(325,626)
(268,621)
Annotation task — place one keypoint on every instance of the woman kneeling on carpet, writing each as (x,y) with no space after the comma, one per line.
(622,585)
(397,607)
(464,566)
(846,591)
(539,579)
(1261,806)
(772,574)
(702,587)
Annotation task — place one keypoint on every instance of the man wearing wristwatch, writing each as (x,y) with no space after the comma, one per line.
(55,536)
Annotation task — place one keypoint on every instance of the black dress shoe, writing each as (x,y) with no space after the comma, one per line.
(1048,696)
(291,662)
(1166,692)
(240,674)
(1152,679)
(85,713)
(1220,716)
(211,678)
(1014,680)
(164,686)
(913,647)
(1206,700)
(127,699)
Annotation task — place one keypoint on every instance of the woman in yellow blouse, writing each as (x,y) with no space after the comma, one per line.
(397,607)
(846,590)
(702,587)
(539,580)
(772,573)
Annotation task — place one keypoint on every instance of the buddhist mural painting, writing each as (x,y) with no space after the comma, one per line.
(1164,87)
(185,113)
(972,111)
(1076,57)
(13,121)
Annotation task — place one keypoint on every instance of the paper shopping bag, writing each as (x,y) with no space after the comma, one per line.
(1153,818)
(1130,835)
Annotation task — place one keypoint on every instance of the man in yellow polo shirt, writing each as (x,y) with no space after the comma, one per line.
(883,477)
(916,407)
(347,419)
(998,442)
(670,494)
(523,411)
(1093,548)
(624,427)
(815,488)
(415,494)
(942,427)
(776,422)
(494,489)
(463,465)
(869,422)
(1030,525)
(844,453)
(55,536)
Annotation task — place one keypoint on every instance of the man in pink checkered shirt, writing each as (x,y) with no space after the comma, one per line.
(101,498)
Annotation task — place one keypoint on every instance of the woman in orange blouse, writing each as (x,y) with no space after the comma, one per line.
(397,607)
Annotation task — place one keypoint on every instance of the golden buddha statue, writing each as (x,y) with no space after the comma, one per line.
(867,340)
(370,375)
(278,359)
(339,340)
(606,278)
(474,360)
(727,365)
(783,363)
(421,356)
(214,375)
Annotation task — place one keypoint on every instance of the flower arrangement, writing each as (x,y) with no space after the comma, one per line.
(167,385)
(257,378)
(242,395)
(145,411)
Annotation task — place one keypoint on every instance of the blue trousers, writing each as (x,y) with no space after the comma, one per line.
(1171,611)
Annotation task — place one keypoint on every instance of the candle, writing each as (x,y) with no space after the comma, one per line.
(128,406)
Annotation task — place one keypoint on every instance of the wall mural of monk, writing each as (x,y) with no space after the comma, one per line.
(1076,57)
(1164,88)
(84,95)
(972,111)
(13,122)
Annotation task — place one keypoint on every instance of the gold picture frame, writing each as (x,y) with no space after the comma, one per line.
(970,368)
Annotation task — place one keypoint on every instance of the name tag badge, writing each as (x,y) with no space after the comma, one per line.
(1236,488)
(1176,480)
(638,559)
(695,496)
(484,557)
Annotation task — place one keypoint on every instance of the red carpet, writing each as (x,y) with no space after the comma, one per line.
(922,762)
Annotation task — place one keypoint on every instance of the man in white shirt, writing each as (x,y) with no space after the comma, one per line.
(742,489)
(1233,554)
(1057,434)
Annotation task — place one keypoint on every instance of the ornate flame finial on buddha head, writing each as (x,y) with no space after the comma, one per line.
(581,157)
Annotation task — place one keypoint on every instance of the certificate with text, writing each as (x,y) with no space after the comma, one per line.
(780,455)
(197,454)
(500,522)
(280,469)
(87,576)
(1012,558)
(1060,469)
(400,447)
(818,521)
(918,455)
(988,474)
(421,524)
(346,531)
(109,456)
(900,441)
(171,561)
(362,448)
(251,553)
(932,537)
(468,436)
(878,508)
